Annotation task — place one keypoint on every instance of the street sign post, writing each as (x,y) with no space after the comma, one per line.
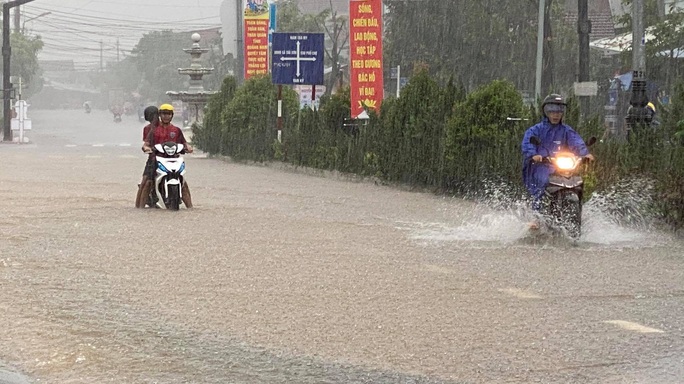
(297,58)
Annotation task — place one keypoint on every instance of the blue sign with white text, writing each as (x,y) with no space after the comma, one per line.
(297,58)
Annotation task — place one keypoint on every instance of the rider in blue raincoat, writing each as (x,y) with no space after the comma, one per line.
(554,136)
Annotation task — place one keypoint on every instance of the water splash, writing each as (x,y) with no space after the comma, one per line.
(499,227)
(620,217)
(624,214)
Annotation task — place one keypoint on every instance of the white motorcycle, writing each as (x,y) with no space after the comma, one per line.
(170,176)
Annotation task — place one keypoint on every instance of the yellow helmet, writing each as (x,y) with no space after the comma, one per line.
(166,107)
(651,106)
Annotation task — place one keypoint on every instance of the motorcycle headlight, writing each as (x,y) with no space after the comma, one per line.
(565,163)
(170,150)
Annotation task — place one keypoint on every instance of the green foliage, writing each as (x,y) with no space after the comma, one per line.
(437,137)
(205,136)
(152,68)
(412,130)
(157,56)
(24,60)
(291,19)
(242,122)
(480,141)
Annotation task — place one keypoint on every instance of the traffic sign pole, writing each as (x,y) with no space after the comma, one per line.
(280,113)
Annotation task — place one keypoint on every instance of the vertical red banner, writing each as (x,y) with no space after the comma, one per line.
(365,31)
(256,38)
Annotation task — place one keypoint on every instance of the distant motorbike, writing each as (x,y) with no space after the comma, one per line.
(117,117)
(87,108)
(562,201)
(170,175)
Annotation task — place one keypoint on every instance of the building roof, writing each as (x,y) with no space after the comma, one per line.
(600,15)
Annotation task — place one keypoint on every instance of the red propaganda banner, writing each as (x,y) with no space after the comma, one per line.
(365,29)
(256,38)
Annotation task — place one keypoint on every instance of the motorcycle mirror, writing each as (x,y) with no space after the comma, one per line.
(591,141)
(535,140)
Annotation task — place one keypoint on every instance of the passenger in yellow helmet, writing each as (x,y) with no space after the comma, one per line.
(163,133)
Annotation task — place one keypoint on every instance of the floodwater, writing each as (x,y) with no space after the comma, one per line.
(283,275)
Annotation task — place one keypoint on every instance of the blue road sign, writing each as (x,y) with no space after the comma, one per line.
(297,58)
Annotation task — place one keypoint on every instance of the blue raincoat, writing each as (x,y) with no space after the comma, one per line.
(553,138)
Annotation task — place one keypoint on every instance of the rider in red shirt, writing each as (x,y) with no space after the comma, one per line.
(164,132)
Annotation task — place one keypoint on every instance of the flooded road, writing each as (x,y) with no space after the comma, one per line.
(290,276)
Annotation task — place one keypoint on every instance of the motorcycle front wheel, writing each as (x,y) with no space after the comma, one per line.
(571,214)
(173,201)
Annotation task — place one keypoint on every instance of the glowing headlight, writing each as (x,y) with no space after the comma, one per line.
(565,163)
(170,150)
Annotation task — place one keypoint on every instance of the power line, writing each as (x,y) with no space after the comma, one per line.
(120,20)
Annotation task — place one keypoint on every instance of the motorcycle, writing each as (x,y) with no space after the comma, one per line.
(117,117)
(87,108)
(170,175)
(561,205)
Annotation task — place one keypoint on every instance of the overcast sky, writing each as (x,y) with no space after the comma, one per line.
(75,28)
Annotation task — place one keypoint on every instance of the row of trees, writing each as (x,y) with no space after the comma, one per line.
(434,136)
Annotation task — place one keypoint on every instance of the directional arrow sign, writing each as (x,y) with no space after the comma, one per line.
(298,58)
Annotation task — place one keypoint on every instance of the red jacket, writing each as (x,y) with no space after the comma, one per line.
(163,134)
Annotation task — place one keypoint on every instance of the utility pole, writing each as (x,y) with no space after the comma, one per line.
(540,51)
(117,49)
(240,65)
(583,29)
(637,112)
(101,56)
(638,43)
(6,55)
